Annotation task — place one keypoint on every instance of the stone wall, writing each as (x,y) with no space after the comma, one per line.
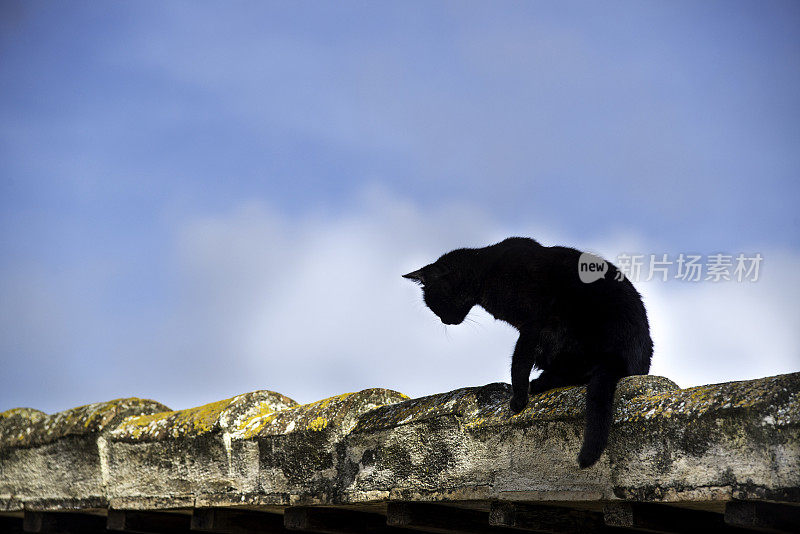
(703,450)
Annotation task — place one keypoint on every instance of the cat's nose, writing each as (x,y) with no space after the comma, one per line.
(415,275)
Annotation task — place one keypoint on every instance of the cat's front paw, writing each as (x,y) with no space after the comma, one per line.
(518,404)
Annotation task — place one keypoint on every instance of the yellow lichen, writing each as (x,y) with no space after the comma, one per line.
(190,421)
(318,424)
(253,425)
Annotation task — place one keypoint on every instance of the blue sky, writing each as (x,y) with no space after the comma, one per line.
(200,199)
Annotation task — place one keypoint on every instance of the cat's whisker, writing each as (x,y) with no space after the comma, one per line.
(475,323)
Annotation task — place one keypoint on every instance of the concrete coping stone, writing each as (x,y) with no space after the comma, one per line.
(638,398)
(222,416)
(265,413)
(26,427)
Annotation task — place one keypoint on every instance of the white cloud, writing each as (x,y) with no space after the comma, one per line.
(319,307)
(316,306)
(716,332)
(707,332)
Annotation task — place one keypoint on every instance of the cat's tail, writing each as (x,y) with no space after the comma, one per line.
(599,414)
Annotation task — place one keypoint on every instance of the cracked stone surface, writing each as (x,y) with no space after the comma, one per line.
(704,446)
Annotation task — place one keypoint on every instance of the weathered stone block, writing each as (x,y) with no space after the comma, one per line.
(698,447)
(188,452)
(59,458)
(302,457)
(738,440)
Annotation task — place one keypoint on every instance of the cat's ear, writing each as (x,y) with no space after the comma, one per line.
(416,276)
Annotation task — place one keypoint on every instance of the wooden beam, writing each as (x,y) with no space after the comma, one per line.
(545,518)
(148,522)
(439,519)
(11,525)
(228,521)
(62,523)
(650,517)
(763,516)
(334,521)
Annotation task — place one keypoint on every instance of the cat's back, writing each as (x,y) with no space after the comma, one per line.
(611,291)
(530,284)
(523,270)
(517,280)
(525,261)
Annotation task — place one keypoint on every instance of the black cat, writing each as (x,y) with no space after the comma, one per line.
(576,332)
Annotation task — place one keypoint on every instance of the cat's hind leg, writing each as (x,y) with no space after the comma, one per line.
(550,380)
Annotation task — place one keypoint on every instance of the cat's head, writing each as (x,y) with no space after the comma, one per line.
(448,288)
